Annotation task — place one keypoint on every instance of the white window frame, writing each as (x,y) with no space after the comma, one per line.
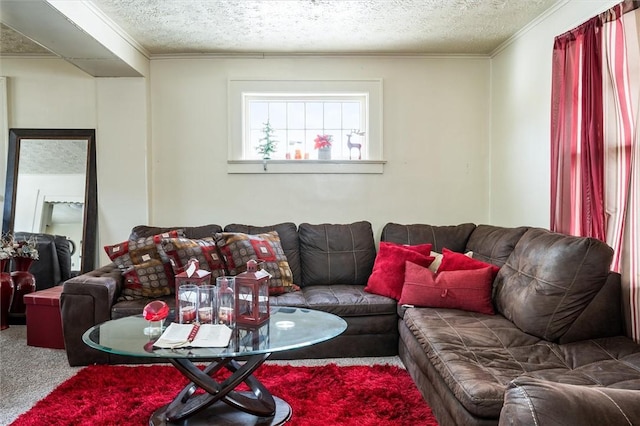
(238,88)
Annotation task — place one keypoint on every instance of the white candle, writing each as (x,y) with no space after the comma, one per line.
(188,314)
(225,315)
(205,315)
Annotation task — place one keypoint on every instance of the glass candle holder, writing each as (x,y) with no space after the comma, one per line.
(207,304)
(187,303)
(226,300)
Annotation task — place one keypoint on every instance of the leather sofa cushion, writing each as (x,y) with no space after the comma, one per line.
(478,355)
(339,299)
(342,300)
(336,254)
(288,233)
(539,402)
(196,232)
(494,244)
(452,237)
(549,279)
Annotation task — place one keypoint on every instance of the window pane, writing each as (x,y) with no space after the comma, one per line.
(280,137)
(336,144)
(295,141)
(351,115)
(295,115)
(259,114)
(251,153)
(298,118)
(278,115)
(314,115)
(332,115)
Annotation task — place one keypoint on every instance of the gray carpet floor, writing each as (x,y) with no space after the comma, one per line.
(28,374)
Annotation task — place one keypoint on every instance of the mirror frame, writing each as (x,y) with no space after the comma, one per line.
(90,219)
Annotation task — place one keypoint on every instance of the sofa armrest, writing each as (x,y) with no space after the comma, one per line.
(86,300)
(538,402)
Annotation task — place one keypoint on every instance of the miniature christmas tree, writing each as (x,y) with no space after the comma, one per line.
(268,144)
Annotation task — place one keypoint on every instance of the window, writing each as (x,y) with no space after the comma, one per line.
(297,119)
(297,113)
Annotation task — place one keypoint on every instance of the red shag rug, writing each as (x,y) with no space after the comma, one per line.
(323,395)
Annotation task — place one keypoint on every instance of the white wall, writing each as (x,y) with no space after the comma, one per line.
(521,117)
(435,130)
(122,151)
(436,115)
(51,93)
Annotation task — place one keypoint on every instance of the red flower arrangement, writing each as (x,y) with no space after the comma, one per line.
(323,141)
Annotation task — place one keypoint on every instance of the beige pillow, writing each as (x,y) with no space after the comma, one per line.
(436,263)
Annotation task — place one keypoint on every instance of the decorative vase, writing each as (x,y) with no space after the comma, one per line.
(6,294)
(324,153)
(23,283)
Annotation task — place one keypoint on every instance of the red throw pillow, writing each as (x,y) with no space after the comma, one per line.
(454,261)
(418,248)
(469,290)
(387,276)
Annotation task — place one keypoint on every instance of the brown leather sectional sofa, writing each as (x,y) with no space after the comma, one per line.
(331,263)
(558,321)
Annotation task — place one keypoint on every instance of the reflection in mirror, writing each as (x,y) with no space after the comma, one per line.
(51,188)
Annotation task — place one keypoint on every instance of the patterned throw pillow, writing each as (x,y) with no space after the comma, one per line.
(145,266)
(147,280)
(181,250)
(238,248)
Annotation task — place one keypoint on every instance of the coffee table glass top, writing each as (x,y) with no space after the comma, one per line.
(287,328)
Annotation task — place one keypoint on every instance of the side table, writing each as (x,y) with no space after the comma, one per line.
(44,325)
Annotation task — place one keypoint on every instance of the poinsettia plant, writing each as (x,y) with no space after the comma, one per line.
(323,141)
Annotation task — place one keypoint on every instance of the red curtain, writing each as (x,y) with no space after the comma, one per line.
(595,155)
(577,160)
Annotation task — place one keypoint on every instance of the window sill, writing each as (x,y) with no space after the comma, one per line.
(305,166)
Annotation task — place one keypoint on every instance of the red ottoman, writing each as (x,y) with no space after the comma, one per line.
(44,326)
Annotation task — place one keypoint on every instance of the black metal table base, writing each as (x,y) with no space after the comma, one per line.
(220,403)
(221,414)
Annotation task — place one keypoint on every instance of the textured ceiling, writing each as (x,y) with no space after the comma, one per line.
(13,42)
(313,26)
(52,156)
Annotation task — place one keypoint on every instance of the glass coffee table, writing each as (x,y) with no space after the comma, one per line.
(220,403)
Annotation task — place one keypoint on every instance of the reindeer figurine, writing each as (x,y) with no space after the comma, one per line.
(352,145)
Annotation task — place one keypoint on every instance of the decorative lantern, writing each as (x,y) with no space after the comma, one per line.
(252,295)
(192,275)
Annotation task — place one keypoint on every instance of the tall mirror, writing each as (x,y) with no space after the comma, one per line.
(51,188)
